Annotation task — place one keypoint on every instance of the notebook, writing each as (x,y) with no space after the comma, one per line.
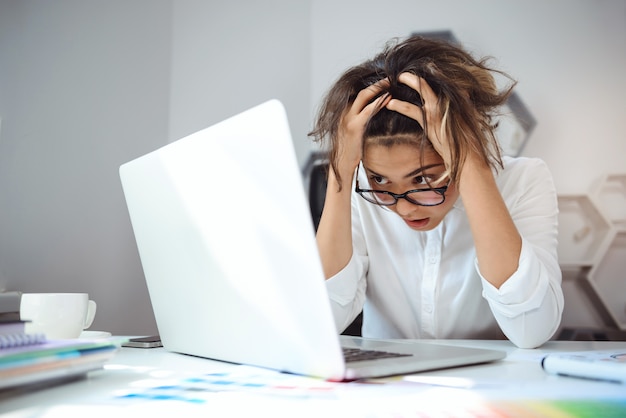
(228,250)
(52,361)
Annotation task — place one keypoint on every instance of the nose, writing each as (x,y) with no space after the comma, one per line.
(404,207)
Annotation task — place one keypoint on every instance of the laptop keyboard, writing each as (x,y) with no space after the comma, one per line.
(357,354)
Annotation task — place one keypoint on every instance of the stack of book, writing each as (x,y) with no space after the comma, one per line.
(32,359)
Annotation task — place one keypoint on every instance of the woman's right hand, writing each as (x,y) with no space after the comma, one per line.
(352,126)
(334,232)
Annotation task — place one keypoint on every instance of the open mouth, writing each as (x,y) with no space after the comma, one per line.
(417,223)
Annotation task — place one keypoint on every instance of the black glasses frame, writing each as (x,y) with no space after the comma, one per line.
(439,190)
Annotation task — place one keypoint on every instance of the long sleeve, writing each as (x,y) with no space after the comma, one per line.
(528,307)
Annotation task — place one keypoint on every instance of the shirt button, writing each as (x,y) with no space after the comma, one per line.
(428,308)
(432,260)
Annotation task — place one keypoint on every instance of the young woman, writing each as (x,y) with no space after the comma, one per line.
(426,227)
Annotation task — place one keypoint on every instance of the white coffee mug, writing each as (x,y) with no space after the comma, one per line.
(57,315)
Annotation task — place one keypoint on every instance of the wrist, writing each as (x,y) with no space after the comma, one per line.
(343,181)
(475,172)
(345,170)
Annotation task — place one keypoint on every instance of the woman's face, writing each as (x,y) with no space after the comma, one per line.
(400,168)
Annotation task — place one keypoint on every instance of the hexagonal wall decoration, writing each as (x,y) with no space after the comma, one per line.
(592,235)
(584,231)
(610,196)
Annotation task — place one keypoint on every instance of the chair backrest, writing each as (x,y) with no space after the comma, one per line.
(315,176)
(317,191)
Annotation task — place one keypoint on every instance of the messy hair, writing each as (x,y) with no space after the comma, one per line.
(468,100)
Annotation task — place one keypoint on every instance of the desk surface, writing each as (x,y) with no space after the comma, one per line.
(144,381)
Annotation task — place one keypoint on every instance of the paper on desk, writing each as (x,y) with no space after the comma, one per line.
(246,391)
(246,380)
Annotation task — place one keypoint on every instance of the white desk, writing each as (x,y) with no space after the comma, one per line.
(515,386)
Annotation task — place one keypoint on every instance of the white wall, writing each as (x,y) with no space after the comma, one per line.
(88,85)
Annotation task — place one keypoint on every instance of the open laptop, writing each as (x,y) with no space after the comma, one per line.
(228,249)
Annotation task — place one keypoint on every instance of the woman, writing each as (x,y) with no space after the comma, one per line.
(443,237)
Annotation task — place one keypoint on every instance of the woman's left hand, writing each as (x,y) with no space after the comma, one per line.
(496,238)
(429,111)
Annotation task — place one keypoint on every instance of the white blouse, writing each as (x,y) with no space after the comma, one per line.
(413,284)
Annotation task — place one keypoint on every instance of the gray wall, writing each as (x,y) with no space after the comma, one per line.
(229,56)
(88,85)
(83,88)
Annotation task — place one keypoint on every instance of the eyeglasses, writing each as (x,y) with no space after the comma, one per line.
(423,197)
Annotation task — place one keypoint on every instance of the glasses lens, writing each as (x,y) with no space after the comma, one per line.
(426,198)
(378,198)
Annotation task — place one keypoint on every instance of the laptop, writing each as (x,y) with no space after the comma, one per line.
(228,249)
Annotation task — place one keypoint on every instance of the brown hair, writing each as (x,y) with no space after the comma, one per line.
(465,87)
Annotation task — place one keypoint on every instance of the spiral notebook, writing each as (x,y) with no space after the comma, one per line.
(31,359)
(12,332)
(20,340)
(53,361)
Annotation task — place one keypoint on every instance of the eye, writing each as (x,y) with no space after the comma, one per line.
(421,180)
(378,180)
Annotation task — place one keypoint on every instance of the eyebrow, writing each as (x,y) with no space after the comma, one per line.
(411,174)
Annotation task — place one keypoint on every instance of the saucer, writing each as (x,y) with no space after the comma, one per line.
(94,334)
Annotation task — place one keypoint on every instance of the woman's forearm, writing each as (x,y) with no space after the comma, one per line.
(334,232)
(497,240)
